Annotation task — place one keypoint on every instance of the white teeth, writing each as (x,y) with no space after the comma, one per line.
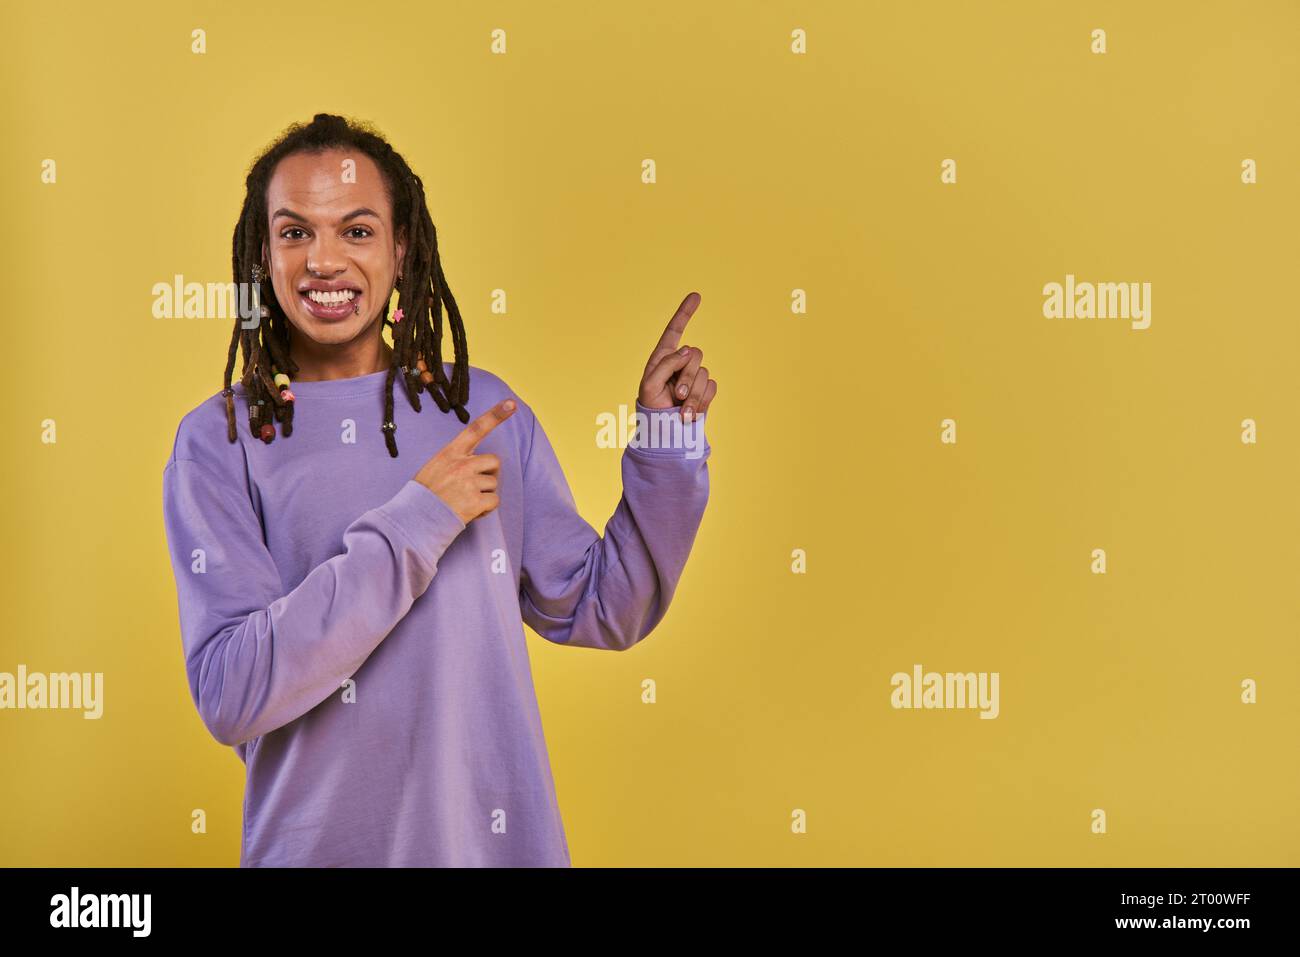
(331,298)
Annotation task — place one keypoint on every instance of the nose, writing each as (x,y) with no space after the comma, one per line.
(325,256)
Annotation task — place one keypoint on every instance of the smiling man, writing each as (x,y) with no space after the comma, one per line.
(352,619)
(330,283)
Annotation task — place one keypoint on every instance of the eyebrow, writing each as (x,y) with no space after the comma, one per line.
(290,214)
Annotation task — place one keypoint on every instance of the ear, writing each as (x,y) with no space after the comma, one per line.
(400,249)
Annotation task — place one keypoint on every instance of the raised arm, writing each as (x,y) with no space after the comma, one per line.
(584,589)
(610,591)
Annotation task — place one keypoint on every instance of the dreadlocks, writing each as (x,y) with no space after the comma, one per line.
(422,291)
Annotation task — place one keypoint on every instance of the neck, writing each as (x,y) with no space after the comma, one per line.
(317,363)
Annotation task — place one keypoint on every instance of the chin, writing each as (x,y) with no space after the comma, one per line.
(332,333)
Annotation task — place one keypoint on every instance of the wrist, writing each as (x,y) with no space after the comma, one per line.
(667,431)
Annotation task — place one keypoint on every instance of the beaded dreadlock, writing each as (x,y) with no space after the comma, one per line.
(422,290)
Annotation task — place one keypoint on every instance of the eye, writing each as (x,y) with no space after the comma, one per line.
(365,231)
(284,233)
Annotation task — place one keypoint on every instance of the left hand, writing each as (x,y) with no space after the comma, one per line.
(674,373)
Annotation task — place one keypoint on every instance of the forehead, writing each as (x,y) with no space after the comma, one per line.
(327,184)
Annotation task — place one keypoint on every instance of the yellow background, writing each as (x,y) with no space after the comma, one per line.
(775,172)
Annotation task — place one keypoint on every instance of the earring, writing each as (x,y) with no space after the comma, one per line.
(397,316)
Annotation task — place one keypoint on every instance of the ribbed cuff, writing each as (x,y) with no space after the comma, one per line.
(424,519)
(664,432)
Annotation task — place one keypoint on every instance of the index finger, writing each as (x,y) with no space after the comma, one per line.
(474,433)
(672,336)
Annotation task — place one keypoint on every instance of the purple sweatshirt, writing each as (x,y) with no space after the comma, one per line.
(362,648)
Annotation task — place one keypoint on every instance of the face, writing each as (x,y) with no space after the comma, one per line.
(331,245)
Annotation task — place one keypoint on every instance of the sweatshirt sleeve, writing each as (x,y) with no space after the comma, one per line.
(580,588)
(259,656)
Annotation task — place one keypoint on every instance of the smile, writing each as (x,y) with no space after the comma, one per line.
(330,305)
(331,298)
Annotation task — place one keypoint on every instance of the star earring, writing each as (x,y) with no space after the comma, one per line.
(397,316)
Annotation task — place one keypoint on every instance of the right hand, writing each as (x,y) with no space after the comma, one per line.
(465,481)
